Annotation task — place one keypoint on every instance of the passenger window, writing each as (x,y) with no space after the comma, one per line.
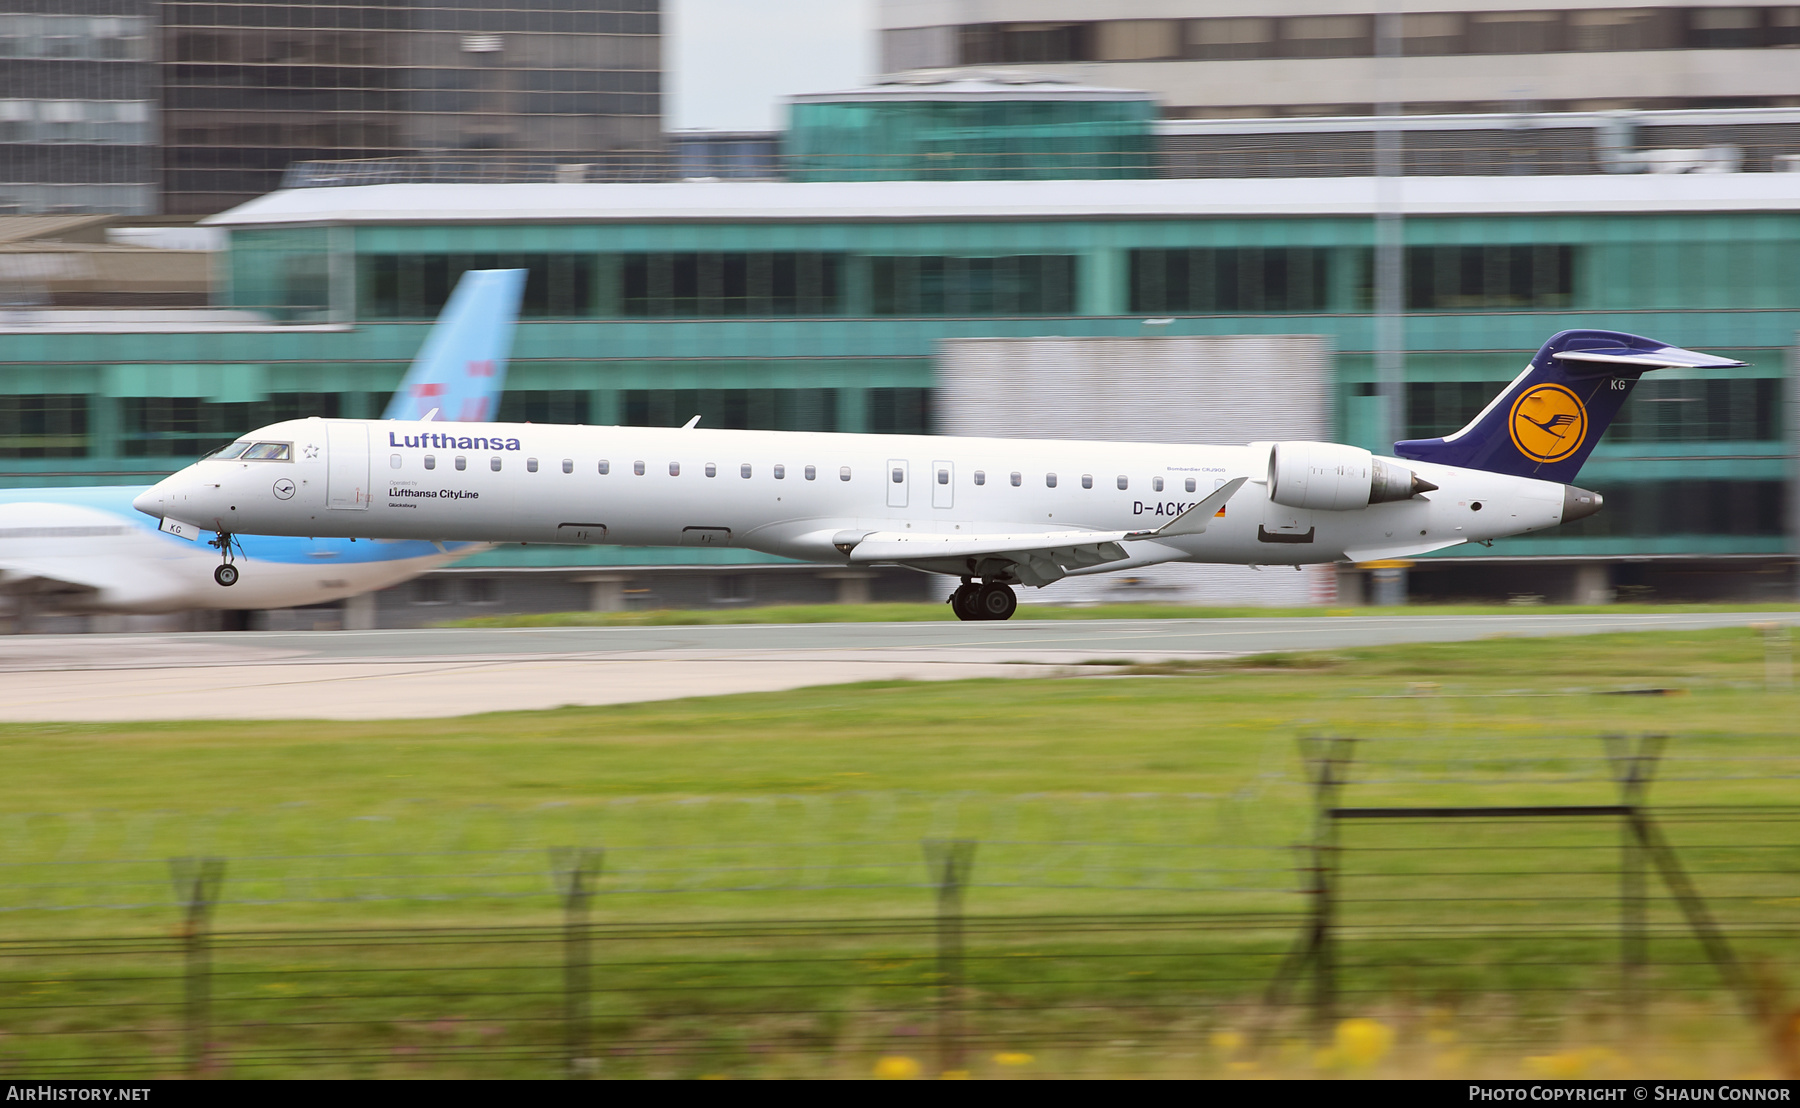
(674,469)
(1124,481)
(267,452)
(1190,484)
(1087,480)
(980,477)
(568,465)
(1049,480)
(462,463)
(431,461)
(712,470)
(530,465)
(394,461)
(744,471)
(605,467)
(943,477)
(780,473)
(1016,479)
(843,473)
(637,468)
(494,463)
(899,476)
(812,472)
(1156,484)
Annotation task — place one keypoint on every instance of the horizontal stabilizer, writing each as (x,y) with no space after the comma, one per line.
(1668,357)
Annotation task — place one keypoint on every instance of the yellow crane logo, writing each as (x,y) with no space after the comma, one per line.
(1548,423)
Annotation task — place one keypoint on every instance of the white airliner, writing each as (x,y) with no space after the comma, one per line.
(995,512)
(86,550)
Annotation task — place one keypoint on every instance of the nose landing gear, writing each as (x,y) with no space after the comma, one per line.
(226,573)
(992,600)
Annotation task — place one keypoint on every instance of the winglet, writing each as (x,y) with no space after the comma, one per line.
(1194,520)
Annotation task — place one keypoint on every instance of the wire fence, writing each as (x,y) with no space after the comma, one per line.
(1483,899)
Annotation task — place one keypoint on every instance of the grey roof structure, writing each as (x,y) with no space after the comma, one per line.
(837,201)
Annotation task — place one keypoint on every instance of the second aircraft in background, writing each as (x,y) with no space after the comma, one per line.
(86,550)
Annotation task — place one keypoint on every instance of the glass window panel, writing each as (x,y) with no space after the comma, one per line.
(45,426)
(1220,39)
(1515,32)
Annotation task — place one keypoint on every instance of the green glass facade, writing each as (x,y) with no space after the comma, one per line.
(894,138)
(823,324)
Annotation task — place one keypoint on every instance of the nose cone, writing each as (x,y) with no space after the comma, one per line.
(150,501)
(1580,503)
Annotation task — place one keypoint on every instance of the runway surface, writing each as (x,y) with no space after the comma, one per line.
(407,674)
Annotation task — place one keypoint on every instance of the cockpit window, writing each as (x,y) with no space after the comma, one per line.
(268,452)
(232,451)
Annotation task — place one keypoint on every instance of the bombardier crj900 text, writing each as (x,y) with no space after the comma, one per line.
(995,512)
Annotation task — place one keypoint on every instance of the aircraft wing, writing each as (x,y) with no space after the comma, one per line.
(43,577)
(1037,557)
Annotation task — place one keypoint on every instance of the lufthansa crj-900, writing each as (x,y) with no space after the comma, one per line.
(997,513)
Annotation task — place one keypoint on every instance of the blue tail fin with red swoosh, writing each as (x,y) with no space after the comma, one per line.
(461,369)
(1545,423)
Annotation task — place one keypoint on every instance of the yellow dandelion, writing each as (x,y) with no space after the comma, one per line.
(896,1067)
(1230,1042)
(1363,1042)
(1013,1058)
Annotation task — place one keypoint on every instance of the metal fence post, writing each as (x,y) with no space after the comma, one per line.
(575,871)
(1331,769)
(197,883)
(949,862)
(1633,768)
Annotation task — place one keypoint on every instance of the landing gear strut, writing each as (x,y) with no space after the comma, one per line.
(226,573)
(983,602)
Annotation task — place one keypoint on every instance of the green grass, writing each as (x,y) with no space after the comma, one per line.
(1177,790)
(915,613)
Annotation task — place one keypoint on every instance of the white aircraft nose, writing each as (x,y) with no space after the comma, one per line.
(150,501)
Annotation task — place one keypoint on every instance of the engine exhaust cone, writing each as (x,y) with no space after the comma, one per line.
(1390,482)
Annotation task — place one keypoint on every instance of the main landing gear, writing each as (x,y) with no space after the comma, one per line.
(980,602)
(226,573)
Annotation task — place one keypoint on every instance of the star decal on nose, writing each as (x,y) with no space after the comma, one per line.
(312,451)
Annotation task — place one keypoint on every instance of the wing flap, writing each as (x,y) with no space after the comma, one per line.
(1049,554)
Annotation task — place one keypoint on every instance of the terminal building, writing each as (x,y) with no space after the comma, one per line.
(851,300)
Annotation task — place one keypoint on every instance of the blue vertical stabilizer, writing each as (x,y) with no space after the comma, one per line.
(1546,423)
(461,369)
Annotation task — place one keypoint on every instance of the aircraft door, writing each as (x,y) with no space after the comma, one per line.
(346,465)
(943,484)
(896,482)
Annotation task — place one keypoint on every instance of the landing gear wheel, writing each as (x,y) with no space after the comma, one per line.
(226,575)
(996,601)
(964,602)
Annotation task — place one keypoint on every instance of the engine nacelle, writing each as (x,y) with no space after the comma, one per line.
(1332,477)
